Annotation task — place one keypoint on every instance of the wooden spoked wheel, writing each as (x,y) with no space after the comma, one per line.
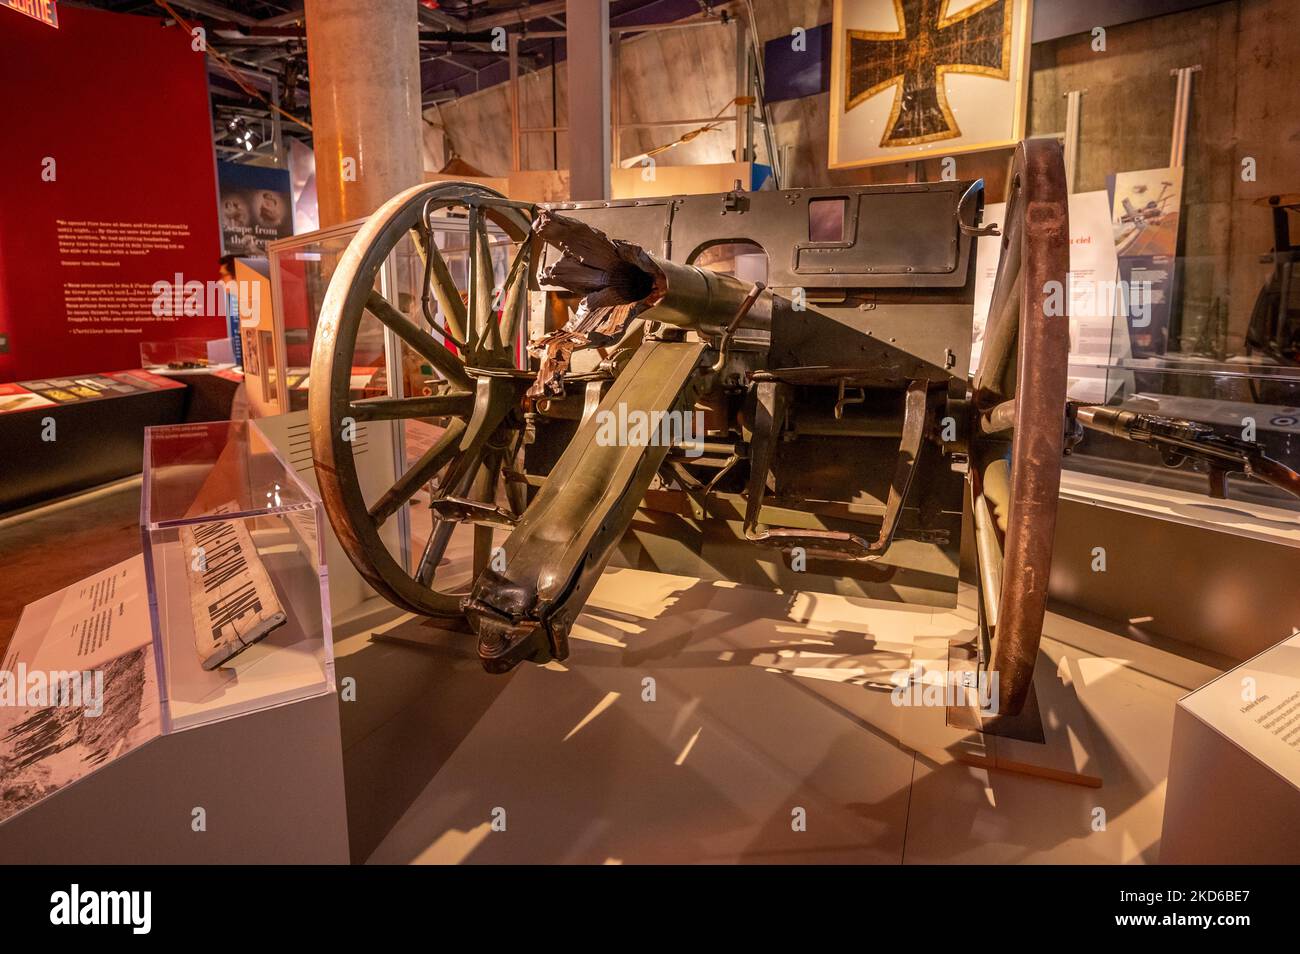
(1018,433)
(479,400)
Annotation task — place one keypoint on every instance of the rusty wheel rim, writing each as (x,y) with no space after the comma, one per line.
(1022,376)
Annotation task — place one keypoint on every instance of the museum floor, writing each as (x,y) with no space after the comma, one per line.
(763,703)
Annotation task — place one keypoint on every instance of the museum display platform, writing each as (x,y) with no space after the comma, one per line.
(195,707)
(85,429)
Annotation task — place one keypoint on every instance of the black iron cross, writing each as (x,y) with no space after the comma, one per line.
(914,61)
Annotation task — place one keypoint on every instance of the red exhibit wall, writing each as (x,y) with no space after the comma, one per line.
(120,105)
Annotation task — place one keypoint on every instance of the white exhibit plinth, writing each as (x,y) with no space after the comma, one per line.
(1234,769)
(111,787)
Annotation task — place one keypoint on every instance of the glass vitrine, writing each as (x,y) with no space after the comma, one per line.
(1181,340)
(1167,317)
(237,577)
(301,268)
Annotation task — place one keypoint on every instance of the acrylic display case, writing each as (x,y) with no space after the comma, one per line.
(238,585)
(1209,326)
(1242,393)
(300,271)
(178,354)
(1166,319)
(301,268)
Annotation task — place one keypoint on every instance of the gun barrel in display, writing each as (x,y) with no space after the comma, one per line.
(1178,439)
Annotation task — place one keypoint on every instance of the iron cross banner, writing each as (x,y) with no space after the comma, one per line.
(915,78)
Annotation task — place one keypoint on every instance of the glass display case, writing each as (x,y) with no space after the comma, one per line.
(237,579)
(1241,399)
(177,354)
(300,272)
(301,268)
(1179,345)
(1209,337)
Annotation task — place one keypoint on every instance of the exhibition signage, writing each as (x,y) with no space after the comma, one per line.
(1256,707)
(1093,296)
(1096,296)
(1144,216)
(26,395)
(256,208)
(89,223)
(1123,248)
(1236,742)
(78,684)
(43,10)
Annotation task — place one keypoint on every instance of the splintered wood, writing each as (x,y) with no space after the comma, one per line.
(617,280)
(232,600)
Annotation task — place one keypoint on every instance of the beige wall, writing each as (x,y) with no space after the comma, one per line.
(666,75)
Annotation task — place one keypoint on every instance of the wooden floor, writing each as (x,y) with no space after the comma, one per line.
(47,549)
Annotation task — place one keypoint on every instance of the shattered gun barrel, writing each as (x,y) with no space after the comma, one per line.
(559,548)
(614,274)
(620,282)
(708,302)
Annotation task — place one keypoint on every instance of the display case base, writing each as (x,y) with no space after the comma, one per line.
(1234,779)
(263,788)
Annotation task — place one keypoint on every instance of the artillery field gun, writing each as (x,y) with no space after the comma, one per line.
(828,404)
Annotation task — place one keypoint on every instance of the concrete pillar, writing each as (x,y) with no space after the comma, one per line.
(364,61)
(587,26)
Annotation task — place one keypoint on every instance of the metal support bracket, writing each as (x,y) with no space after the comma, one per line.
(844,544)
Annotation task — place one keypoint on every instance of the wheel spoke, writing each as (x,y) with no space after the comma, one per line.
(1001,337)
(458,481)
(433,551)
(482,548)
(481,313)
(432,461)
(460,476)
(485,485)
(472,295)
(443,287)
(459,403)
(516,295)
(427,346)
(492,401)
(514,483)
(517,494)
